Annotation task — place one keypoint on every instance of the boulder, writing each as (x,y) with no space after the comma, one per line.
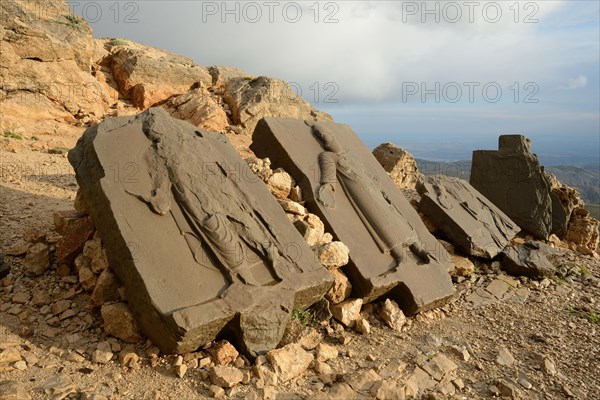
(341,288)
(290,361)
(120,322)
(528,259)
(199,107)
(333,255)
(75,235)
(37,259)
(469,220)
(225,377)
(197,246)
(347,312)
(399,164)
(392,315)
(251,99)
(513,179)
(342,182)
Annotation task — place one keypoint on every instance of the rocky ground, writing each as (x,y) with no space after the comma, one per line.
(500,336)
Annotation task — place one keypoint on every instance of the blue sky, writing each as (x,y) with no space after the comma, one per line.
(437,77)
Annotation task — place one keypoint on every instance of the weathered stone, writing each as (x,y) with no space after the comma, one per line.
(341,288)
(13,390)
(362,326)
(440,366)
(149,75)
(399,164)
(261,167)
(289,361)
(120,322)
(390,248)
(225,377)
(392,315)
(63,219)
(223,353)
(18,249)
(569,198)
(87,278)
(103,353)
(514,181)
(10,355)
(196,247)
(311,235)
(37,259)
(291,207)
(347,312)
(333,255)
(73,240)
(280,184)
(326,352)
(528,259)
(504,357)
(199,107)
(469,220)
(251,99)
(107,288)
(583,230)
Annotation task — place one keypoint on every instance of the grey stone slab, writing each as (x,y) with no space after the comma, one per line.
(468,219)
(197,239)
(528,259)
(514,181)
(390,247)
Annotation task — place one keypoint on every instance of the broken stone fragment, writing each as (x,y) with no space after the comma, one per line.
(341,288)
(399,164)
(392,315)
(289,361)
(347,312)
(120,322)
(37,259)
(225,377)
(333,255)
(469,220)
(73,240)
(223,353)
(528,259)
(280,184)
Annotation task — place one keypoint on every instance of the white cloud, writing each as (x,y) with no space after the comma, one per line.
(579,82)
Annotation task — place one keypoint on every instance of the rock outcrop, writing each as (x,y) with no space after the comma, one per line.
(514,181)
(469,220)
(399,164)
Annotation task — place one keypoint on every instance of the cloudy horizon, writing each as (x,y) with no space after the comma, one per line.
(451,75)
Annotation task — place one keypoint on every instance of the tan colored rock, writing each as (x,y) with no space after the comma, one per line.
(362,326)
(149,75)
(347,312)
(199,107)
(95,252)
(120,322)
(103,353)
(225,377)
(251,99)
(311,235)
(10,355)
(462,266)
(341,288)
(128,358)
(291,207)
(334,255)
(392,315)
(265,374)
(280,184)
(583,230)
(326,352)
(63,219)
(223,353)
(107,288)
(13,390)
(87,278)
(290,361)
(37,259)
(399,164)
(18,249)
(261,167)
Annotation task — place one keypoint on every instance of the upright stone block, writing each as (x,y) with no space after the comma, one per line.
(390,248)
(514,181)
(469,220)
(195,236)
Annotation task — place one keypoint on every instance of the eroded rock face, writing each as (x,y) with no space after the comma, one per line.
(583,231)
(200,108)
(342,182)
(45,78)
(149,75)
(399,164)
(514,181)
(465,216)
(251,99)
(195,242)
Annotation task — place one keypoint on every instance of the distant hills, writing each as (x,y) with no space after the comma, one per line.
(586,178)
